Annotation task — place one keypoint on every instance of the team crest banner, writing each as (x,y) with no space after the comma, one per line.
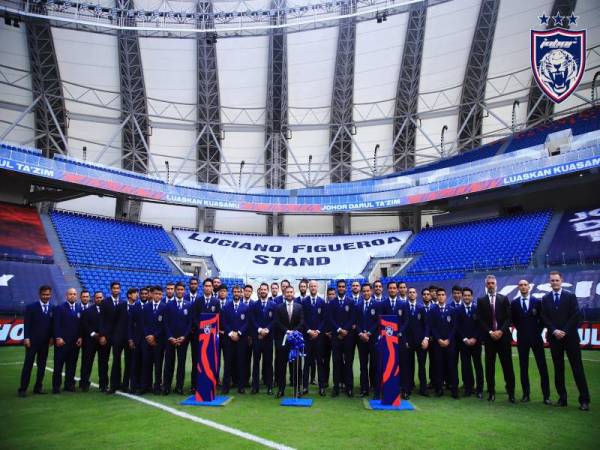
(208,359)
(389,367)
(558,61)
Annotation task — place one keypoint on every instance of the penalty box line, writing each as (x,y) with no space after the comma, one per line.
(200,420)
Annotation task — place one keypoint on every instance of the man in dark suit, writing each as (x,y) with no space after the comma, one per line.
(236,318)
(327,337)
(367,325)
(67,341)
(315,313)
(93,339)
(469,333)
(289,317)
(560,311)
(222,300)
(417,343)
(527,319)
(495,319)
(393,305)
(178,324)
(442,320)
(114,328)
(191,296)
(37,338)
(153,318)
(342,320)
(86,303)
(135,332)
(262,312)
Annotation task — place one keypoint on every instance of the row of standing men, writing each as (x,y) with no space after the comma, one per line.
(154,331)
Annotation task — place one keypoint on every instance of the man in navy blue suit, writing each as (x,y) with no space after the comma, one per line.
(222,300)
(262,312)
(427,304)
(236,317)
(114,329)
(527,318)
(315,314)
(84,301)
(442,320)
(135,332)
(67,341)
(343,320)
(417,343)
(469,333)
(154,342)
(327,337)
(204,303)
(367,324)
(393,305)
(560,311)
(37,338)
(95,344)
(178,324)
(128,352)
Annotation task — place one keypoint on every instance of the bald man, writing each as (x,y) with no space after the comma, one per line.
(67,341)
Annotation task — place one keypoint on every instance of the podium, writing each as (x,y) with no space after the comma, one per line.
(208,364)
(389,367)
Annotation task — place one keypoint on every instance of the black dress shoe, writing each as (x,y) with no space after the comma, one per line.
(349,393)
(22,394)
(69,389)
(55,391)
(405,396)
(111,391)
(455,395)
(279,394)
(84,389)
(241,391)
(124,389)
(492,398)
(439,392)
(322,392)
(193,390)
(424,393)
(547,401)
(468,393)
(511,398)
(525,399)
(479,395)
(335,392)
(363,394)
(225,391)
(561,403)
(254,391)
(39,392)
(157,392)
(584,406)
(102,389)
(179,391)
(270,391)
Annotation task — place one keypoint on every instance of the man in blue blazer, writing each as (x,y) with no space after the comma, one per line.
(178,324)
(95,344)
(417,343)
(342,319)
(67,341)
(315,323)
(236,317)
(469,333)
(37,338)
(128,350)
(262,314)
(560,311)
(442,320)
(135,342)
(114,328)
(154,341)
(394,305)
(367,326)
(527,319)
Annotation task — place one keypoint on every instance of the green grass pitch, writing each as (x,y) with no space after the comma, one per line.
(97,421)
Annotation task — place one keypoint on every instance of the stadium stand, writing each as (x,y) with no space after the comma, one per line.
(486,244)
(22,236)
(577,239)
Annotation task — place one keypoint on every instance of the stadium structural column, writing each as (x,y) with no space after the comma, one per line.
(539,107)
(470,111)
(276,111)
(50,112)
(209,108)
(342,99)
(407,91)
(136,131)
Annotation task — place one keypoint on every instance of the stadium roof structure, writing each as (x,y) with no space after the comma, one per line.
(276,94)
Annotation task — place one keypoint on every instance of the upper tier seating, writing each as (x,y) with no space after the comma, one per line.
(22,235)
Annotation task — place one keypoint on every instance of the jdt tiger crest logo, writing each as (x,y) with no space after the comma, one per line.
(558,58)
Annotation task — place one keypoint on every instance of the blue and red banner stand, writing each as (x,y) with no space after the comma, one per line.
(389,368)
(208,364)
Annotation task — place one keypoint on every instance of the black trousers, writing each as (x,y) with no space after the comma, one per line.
(367,357)
(172,351)
(194,346)
(313,348)
(152,361)
(540,360)
(127,359)
(417,352)
(135,376)
(431,357)
(39,355)
(65,357)
(235,360)
(501,348)
(445,368)
(91,348)
(570,346)
(470,359)
(280,369)
(460,345)
(262,352)
(117,347)
(326,357)
(343,358)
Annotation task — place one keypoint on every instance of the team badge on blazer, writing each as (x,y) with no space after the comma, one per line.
(449,319)
(185,312)
(160,318)
(242,316)
(347,308)
(372,312)
(318,310)
(399,312)
(78,315)
(212,308)
(270,313)
(419,316)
